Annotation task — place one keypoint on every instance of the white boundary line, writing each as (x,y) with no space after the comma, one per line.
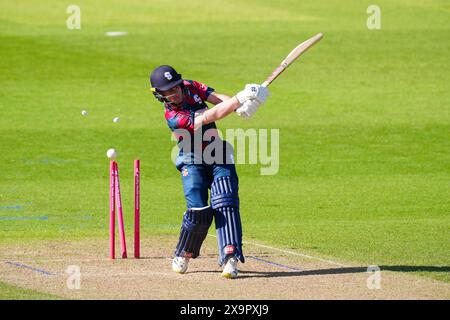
(291,252)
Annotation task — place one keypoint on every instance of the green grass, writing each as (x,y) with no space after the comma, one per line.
(364,121)
(9,292)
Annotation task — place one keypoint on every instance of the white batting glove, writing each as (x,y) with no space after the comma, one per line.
(253,91)
(248,108)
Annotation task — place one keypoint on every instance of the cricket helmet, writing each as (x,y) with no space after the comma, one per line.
(164,78)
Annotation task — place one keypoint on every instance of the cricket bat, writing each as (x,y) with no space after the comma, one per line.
(291,57)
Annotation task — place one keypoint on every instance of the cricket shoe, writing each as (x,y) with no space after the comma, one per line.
(230,270)
(180,264)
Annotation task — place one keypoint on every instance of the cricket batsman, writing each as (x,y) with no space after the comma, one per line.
(187,115)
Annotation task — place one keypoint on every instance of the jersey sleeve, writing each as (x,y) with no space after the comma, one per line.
(203,90)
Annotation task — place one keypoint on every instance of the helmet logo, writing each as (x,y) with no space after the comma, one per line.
(168,75)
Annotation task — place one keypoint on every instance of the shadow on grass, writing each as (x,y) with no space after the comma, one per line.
(416,268)
(271,274)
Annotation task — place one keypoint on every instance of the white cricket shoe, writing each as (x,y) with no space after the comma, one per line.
(180,264)
(230,270)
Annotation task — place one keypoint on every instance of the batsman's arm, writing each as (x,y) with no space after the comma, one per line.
(216,98)
(219,111)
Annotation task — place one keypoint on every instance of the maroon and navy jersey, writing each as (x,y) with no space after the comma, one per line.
(195,95)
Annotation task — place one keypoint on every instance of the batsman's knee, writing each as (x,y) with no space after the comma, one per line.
(224,192)
(196,222)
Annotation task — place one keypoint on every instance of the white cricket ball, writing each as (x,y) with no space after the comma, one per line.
(116,119)
(84,113)
(111,153)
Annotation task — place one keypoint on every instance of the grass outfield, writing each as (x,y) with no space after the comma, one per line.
(364,122)
(8,292)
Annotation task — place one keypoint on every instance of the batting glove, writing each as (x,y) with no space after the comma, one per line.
(248,108)
(253,91)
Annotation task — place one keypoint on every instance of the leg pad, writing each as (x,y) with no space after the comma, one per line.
(194,229)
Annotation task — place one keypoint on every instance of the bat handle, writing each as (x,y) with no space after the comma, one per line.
(265,84)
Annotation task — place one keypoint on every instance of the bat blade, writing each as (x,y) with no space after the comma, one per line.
(291,57)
